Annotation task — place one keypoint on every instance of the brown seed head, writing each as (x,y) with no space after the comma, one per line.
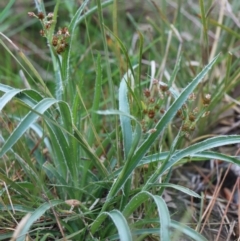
(152,100)
(164,88)
(192,97)
(64,30)
(147,93)
(41,15)
(179,113)
(60,49)
(162,111)
(206,99)
(151,114)
(42,33)
(145,111)
(48,25)
(185,127)
(191,117)
(55,41)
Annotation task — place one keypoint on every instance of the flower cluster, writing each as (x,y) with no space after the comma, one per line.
(155,100)
(59,40)
(190,117)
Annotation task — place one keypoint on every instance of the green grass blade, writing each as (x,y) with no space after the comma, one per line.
(119,221)
(7,97)
(205,155)
(24,125)
(188,231)
(96,100)
(164,217)
(123,48)
(91,11)
(60,148)
(14,185)
(5,12)
(202,146)
(66,116)
(38,213)
(141,41)
(106,53)
(72,27)
(180,188)
(205,26)
(21,54)
(103,172)
(125,120)
(28,97)
(121,225)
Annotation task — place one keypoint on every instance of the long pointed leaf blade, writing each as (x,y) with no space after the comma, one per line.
(164,216)
(119,221)
(125,120)
(25,124)
(34,216)
(7,97)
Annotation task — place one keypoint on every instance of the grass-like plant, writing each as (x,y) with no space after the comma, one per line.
(82,161)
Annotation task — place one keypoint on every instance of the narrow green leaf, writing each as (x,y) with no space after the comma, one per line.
(164,217)
(26,96)
(93,10)
(204,155)
(7,97)
(25,59)
(66,116)
(24,125)
(188,231)
(123,48)
(96,100)
(202,146)
(71,27)
(124,120)
(208,155)
(14,185)
(137,132)
(60,149)
(119,221)
(35,216)
(205,25)
(5,12)
(141,40)
(180,188)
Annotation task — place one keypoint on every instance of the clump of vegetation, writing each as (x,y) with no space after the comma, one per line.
(96,125)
